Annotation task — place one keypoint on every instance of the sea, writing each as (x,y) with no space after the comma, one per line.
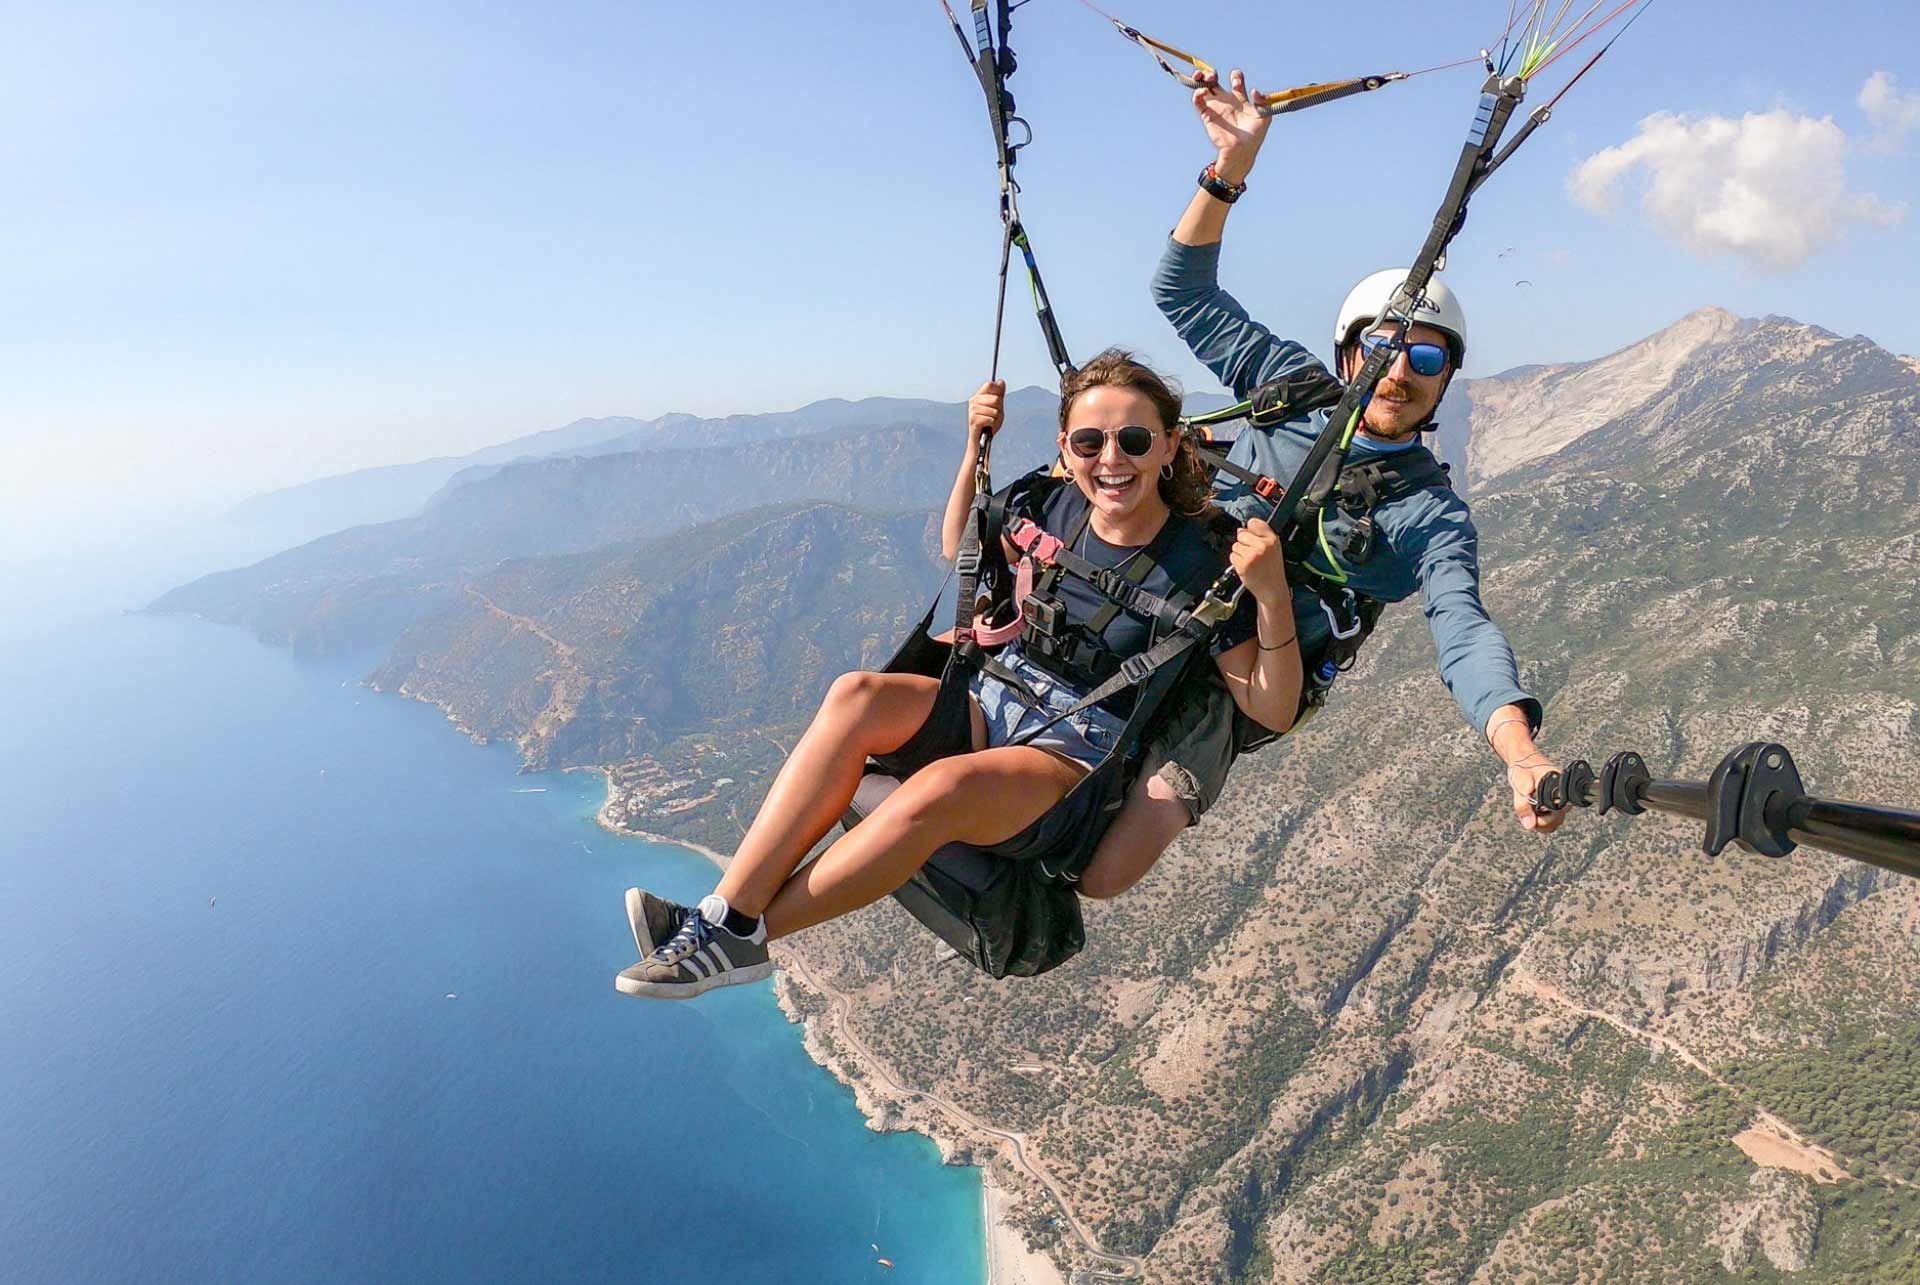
(297,983)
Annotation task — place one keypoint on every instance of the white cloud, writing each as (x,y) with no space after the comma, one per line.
(1892,113)
(1768,189)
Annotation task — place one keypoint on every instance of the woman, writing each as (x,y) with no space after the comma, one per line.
(1128,476)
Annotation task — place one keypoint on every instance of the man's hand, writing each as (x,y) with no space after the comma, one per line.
(1511,736)
(1235,124)
(1523,776)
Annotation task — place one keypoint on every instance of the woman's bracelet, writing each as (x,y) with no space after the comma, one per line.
(1284,642)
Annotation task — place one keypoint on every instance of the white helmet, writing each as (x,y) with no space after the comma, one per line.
(1438,308)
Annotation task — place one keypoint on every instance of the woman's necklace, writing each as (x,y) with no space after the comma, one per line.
(1117,567)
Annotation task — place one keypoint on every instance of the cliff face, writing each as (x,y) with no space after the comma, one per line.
(1358,1026)
(1528,414)
(726,629)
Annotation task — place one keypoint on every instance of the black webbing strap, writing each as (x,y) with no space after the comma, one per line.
(1384,479)
(1135,572)
(968,562)
(993,63)
(1120,589)
(1263,486)
(1374,482)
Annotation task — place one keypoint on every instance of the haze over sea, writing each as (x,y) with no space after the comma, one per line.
(297,984)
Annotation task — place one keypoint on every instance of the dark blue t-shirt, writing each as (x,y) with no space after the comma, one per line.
(1188,560)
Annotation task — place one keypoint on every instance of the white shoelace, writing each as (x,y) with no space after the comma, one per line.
(691,936)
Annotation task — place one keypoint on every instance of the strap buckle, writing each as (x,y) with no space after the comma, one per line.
(1268,489)
(1333,618)
(1035,540)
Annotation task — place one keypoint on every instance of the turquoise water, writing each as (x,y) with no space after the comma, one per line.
(297,984)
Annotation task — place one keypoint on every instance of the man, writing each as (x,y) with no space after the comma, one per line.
(1422,540)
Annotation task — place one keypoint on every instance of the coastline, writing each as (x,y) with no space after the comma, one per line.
(1009,1261)
(604,817)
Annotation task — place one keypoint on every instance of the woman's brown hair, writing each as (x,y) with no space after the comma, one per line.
(1189,491)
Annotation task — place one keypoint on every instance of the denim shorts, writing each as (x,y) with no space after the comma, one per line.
(1086,737)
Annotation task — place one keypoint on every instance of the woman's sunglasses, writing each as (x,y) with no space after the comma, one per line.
(1426,359)
(1135,439)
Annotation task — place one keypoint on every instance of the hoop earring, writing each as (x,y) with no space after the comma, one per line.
(1166,472)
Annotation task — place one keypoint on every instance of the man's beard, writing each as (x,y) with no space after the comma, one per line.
(1394,389)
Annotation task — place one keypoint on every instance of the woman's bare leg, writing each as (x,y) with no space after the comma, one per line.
(863,713)
(981,798)
(1151,818)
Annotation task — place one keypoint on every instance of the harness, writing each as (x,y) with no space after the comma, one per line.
(1356,489)
(1012,908)
(1076,651)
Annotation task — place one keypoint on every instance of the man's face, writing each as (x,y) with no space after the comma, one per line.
(1404,399)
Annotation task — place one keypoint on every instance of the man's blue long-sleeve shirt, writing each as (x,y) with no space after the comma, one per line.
(1425,541)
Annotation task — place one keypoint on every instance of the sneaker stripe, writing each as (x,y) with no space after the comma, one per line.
(721,955)
(695,965)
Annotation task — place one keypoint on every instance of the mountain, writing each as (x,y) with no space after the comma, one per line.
(301,513)
(1357,1026)
(362,587)
(1529,413)
(729,627)
(359,587)
(296,514)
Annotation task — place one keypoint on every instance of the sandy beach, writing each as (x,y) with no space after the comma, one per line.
(1009,1261)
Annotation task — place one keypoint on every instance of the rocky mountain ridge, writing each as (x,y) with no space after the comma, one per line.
(395,492)
(1527,414)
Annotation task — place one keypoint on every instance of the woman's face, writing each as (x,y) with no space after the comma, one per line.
(1118,485)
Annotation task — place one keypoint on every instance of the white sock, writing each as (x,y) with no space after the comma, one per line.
(714,909)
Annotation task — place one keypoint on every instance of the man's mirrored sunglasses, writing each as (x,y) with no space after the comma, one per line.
(1426,359)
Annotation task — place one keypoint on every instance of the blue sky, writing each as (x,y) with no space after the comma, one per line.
(252,244)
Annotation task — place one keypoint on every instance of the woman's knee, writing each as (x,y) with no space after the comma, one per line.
(981,798)
(1101,885)
(856,691)
(942,786)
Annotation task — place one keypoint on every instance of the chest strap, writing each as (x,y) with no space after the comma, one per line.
(1041,548)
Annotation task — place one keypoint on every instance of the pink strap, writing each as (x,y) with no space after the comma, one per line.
(1035,540)
(1022,586)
